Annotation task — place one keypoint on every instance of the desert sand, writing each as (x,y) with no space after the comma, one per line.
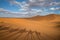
(47,26)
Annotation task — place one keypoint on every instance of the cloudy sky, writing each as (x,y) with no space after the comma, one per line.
(28,8)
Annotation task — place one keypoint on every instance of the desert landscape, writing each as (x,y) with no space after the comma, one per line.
(29,19)
(35,28)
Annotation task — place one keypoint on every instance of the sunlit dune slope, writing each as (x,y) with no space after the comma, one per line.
(43,24)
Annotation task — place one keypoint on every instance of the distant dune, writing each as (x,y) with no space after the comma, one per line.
(44,24)
(47,17)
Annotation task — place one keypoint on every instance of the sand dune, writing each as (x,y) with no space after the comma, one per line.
(43,24)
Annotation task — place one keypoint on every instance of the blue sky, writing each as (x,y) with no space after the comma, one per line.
(28,8)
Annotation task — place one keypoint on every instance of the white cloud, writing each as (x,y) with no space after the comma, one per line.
(9,12)
(43,3)
(52,8)
(55,3)
(57,8)
(23,14)
(34,3)
(26,9)
(14,2)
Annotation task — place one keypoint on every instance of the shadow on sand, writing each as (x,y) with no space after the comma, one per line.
(29,35)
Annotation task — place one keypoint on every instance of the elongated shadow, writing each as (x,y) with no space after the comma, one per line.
(4,28)
(3,31)
(32,36)
(26,36)
(21,33)
(38,34)
(9,35)
(11,31)
(29,33)
(8,31)
(13,34)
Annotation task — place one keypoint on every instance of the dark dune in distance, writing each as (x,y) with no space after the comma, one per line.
(47,17)
(35,28)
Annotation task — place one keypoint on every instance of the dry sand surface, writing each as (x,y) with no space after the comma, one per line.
(47,26)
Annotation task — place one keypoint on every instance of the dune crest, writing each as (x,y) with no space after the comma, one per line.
(47,17)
